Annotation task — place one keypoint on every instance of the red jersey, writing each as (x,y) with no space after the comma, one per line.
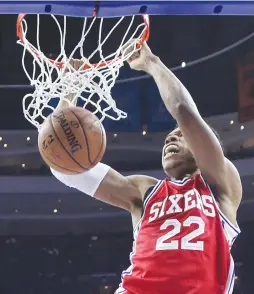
(182,243)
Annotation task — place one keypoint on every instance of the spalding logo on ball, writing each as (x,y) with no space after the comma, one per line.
(72,140)
(67,129)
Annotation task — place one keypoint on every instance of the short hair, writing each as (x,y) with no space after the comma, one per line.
(215,133)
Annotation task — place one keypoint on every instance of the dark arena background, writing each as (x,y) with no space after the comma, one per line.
(56,240)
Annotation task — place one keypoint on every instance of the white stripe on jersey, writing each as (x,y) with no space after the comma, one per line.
(230,232)
(231,277)
(121,290)
(156,187)
(180,182)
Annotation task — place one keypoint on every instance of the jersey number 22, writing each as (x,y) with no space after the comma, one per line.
(164,243)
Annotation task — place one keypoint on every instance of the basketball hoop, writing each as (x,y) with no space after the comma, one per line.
(56,79)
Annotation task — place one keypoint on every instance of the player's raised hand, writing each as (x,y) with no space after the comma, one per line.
(72,97)
(139,59)
(78,63)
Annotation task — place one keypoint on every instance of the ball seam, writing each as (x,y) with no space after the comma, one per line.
(85,136)
(64,146)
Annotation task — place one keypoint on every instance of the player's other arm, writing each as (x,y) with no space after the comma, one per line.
(201,140)
(109,186)
(103,182)
(125,192)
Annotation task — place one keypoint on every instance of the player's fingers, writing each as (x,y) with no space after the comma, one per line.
(77,64)
(135,55)
(129,46)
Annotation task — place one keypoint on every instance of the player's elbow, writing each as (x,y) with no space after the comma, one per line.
(186,106)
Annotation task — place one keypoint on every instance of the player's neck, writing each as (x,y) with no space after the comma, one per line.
(185,175)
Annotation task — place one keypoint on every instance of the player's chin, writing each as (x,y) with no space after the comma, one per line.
(171,162)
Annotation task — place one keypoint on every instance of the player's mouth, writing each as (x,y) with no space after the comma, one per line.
(171,150)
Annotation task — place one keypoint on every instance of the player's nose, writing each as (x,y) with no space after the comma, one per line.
(172,138)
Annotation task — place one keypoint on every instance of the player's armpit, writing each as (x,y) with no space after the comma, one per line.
(233,184)
(124,192)
(229,192)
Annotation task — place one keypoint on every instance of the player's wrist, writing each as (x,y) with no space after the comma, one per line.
(150,62)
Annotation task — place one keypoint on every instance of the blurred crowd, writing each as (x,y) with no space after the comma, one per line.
(63,264)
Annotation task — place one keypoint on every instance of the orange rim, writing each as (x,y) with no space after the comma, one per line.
(60,64)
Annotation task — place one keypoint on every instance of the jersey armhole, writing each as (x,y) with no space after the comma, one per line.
(147,193)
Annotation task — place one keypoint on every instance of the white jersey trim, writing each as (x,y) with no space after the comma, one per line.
(231,277)
(180,182)
(128,272)
(230,232)
(155,189)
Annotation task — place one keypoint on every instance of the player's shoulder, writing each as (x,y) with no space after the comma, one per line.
(143,182)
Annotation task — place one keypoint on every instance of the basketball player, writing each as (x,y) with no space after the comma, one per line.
(184,225)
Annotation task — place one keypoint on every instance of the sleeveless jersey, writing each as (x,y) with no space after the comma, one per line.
(182,243)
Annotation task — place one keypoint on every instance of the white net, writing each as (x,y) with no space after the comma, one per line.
(89,85)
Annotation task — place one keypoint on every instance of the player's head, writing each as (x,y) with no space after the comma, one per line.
(177,159)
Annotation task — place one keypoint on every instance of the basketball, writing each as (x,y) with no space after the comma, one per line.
(72,140)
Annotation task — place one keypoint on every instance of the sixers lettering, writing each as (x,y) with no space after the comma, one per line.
(181,203)
(182,232)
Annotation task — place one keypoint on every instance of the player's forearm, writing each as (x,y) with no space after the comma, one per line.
(172,91)
(67,101)
(62,104)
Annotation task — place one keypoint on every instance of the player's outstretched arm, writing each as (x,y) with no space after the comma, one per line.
(201,140)
(125,192)
(103,182)
(107,185)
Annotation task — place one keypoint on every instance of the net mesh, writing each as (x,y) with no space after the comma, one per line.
(90,84)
